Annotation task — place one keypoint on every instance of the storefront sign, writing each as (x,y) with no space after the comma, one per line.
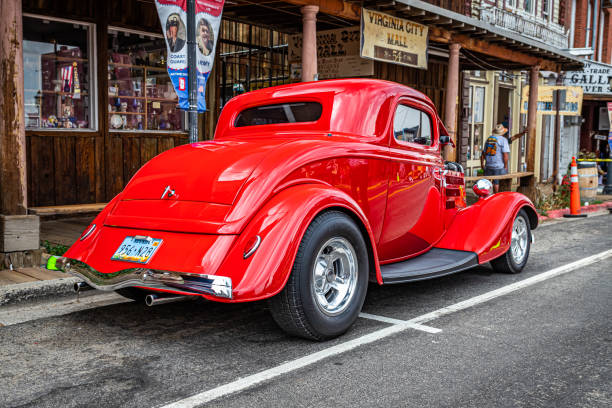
(337,55)
(173,18)
(392,39)
(570,100)
(594,78)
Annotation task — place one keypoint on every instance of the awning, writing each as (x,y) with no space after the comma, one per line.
(486,47)
(492,46)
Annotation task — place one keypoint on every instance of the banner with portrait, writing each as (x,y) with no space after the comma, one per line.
(173,18)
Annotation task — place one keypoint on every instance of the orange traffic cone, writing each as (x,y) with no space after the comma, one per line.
(574,192)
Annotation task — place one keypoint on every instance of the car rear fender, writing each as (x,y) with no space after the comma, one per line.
(280,225)
(486,226)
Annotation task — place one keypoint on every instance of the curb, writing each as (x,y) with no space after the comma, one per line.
(584,209)
(21,292)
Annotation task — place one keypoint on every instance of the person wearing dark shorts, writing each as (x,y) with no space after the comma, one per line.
(494,158)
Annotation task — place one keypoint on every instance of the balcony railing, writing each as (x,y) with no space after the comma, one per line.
(551,34)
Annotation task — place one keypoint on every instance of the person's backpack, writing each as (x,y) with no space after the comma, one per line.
(490,148)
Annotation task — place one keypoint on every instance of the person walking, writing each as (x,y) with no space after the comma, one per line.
(494,158)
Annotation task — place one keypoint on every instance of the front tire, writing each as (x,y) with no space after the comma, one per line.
(515,259)
(328,282)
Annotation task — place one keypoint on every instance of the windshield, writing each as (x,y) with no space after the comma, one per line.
(292,112)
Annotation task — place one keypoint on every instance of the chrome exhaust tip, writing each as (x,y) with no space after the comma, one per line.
(154,300)
(81,287)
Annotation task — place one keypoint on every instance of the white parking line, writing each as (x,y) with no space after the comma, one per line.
(390,320)
(247,382)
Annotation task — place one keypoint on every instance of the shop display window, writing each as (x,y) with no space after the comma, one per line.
(140,93)
(476,138)
(57,74)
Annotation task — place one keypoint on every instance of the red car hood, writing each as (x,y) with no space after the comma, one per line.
(205,179)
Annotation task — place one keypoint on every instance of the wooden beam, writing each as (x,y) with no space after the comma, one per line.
(504,53)
(338,8)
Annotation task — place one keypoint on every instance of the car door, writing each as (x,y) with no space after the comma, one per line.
(414,214)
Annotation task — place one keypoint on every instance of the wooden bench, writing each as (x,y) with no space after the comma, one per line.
(505,180)
(61,211)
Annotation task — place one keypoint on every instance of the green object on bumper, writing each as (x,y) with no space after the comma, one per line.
(52,264)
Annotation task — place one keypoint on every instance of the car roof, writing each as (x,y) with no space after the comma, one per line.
(352,105)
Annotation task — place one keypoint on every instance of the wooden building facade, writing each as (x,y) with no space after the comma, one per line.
(86,98)
(85,150)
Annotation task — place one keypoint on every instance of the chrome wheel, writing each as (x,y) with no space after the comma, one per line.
(520,236)
(334,276)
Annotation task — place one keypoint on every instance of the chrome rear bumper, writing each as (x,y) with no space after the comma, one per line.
(194,284)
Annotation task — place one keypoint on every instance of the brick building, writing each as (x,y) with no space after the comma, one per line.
(591,39)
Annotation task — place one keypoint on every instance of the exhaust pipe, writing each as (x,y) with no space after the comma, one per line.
(81,287)
(154,300)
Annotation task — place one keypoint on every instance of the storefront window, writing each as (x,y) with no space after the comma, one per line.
(141,95)
(477,101)
(57,74)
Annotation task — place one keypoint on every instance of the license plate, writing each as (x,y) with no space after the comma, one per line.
(139,249)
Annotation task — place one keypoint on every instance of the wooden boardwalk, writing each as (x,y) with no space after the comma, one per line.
(63,231)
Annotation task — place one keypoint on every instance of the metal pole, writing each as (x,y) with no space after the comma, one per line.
(608,187)
(193,81)
(557,141)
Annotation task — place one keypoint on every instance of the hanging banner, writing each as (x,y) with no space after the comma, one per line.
(173,18)
(392,39)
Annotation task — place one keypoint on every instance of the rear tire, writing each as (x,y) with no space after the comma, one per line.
(515,259)
(328,282)
(135,294)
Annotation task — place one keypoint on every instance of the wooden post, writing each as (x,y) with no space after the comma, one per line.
(309,42)
(527,186)
(13,182)
(450,101)
(18,231)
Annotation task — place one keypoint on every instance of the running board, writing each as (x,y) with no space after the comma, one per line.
(432,264)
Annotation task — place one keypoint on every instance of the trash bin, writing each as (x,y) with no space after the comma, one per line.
(587,179)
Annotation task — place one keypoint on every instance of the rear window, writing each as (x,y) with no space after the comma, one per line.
(281,113)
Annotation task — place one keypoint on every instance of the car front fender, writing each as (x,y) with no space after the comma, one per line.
(280,224)
(486,226)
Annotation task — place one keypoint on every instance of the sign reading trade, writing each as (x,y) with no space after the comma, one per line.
(594,78)
(392,39)
(173,18)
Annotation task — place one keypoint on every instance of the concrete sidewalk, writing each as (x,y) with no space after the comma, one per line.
(23,284)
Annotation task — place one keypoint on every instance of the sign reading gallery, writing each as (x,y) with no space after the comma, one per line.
(392,39)
(594,78)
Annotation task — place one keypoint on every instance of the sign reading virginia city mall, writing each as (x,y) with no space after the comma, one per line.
(392,39)
(594,78)
(337,54)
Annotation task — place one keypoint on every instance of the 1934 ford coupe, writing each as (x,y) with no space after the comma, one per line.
(307,193)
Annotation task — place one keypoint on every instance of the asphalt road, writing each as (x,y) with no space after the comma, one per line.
(543,345)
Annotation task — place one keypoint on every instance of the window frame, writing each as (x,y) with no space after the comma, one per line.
(92,59)
(237,116)
(423,109)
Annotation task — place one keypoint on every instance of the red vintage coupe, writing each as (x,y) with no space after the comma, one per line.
(307,193)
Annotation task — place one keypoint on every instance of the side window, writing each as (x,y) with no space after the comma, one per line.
(412,125)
